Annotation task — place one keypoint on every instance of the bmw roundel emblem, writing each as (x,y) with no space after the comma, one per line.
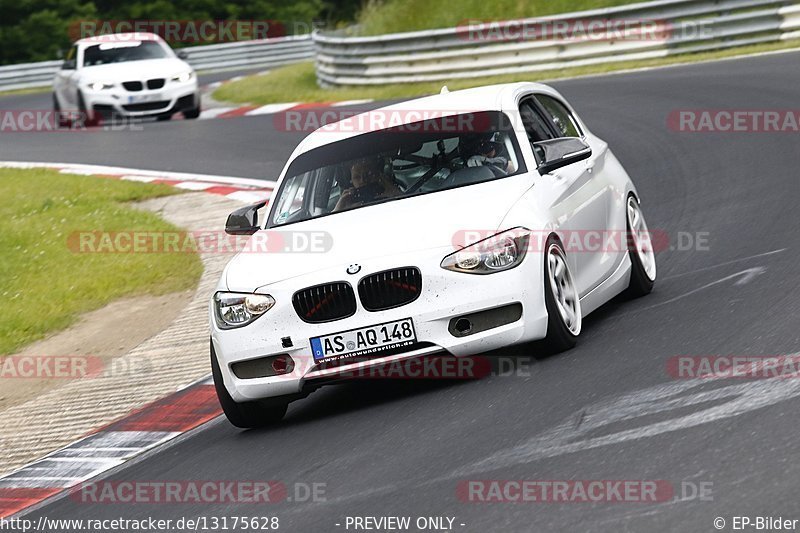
(354,269)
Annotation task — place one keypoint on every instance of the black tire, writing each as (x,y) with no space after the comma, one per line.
(192,113)
(245,414)
(62,120)
(88,117)
(640,284)
(164,117)
(559,338)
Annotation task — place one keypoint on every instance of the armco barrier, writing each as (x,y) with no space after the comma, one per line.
(433,55)
(685,26)
(264,53)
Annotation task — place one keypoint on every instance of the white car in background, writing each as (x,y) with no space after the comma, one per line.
(132,75)
(450,235)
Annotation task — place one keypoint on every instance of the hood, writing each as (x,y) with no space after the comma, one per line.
(136,70)
(435,220)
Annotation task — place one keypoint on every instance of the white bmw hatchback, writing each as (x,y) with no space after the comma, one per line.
(454,224)
(131,75)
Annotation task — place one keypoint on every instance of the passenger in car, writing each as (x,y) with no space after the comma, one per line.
(369,183)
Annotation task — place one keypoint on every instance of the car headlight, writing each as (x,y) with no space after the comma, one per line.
(234,310)
(100,85)
(184,77)
(495,254)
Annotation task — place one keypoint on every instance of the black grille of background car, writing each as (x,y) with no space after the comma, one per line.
(156,83)
(326,302)
(390,288)
(147,106)
(132,86)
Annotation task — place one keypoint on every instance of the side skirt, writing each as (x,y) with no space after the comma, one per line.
(612,286)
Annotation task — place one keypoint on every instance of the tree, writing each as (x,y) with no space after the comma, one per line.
(36,30)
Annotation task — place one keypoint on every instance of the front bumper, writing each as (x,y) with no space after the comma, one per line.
(174,97)
(445,295)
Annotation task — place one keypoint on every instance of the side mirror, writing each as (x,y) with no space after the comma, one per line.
(69,64)
(183,54)
(557,153)
(244,221)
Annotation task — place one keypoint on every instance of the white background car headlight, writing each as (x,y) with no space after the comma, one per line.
(100,85)
(495,254)
(184,77)
(234,310)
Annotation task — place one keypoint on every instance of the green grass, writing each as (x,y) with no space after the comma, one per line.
(298,83)
(35,90)
(391,16)
(44,286)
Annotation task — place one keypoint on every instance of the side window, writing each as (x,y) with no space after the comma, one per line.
(70,61)
(565,123)
(291,201)
(534,123)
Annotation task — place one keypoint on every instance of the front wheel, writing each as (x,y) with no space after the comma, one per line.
(61,117)
(90,119)
(640,250)
(192,114)
(561,299)
(245,414)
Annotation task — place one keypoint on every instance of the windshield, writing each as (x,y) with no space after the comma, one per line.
(396,163)
(106,53)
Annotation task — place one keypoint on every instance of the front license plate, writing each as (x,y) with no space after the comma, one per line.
(370,340)
(144,98)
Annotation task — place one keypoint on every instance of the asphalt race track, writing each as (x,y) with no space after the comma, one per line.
(607,409)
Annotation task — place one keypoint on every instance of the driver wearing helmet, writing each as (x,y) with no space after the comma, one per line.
(369,183)
(485,151)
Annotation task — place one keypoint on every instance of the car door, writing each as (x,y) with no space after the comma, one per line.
(605,257)
(65,83)
(574,197)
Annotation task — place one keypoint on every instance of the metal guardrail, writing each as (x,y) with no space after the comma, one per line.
(434,55)
(264,53)
(244,54)
(28,75)
(449,53)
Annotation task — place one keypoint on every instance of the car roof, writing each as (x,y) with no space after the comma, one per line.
(486,98)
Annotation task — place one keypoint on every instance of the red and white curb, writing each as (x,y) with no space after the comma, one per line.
(109,447)
(245,190)
(271,109)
